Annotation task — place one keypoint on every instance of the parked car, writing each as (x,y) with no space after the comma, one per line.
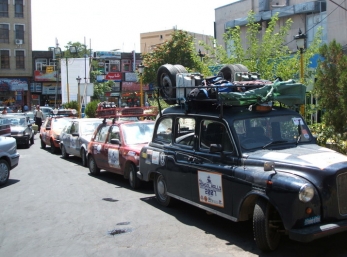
(9,158)
(75,137)
(5,126)
(21,129)
(30,119)
(50,132)
(47,111)
(116,146)
(239,156)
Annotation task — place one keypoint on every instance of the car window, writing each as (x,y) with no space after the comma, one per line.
(88,128)
(74,127)
(114,134)
(164,131)
(184,132)
(138,133)
(102,134)
(212,132)
(67,128)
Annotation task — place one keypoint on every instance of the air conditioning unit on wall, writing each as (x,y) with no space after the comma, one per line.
(18,41)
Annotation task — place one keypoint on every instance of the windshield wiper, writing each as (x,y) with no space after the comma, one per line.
(275,143)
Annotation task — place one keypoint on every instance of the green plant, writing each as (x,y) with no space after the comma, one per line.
(91,107)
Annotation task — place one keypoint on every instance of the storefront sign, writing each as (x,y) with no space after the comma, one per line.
(50,89)
(44,76)
(107,54)
(131,77)
(133,86)
(114,76)
(13,84)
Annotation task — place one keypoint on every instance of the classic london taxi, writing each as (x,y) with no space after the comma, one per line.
(248,162)
(116,143)
(52,127)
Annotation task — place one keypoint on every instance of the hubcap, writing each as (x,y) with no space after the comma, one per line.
(161,189)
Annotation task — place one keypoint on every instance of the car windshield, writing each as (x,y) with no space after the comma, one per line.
(138,133)
(88,128)
(276,131)
(59,124)
(15,121)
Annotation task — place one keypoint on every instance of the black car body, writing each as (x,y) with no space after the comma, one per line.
(223,166)
(21,129)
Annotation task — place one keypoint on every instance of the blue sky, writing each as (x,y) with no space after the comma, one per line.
(114,24)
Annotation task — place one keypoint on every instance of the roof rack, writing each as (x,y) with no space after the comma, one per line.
(117,112)
(64,113)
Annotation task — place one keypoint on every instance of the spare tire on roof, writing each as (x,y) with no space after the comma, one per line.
(228,71)
(180,68)
(166,80)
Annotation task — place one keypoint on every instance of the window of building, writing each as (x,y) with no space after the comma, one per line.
(126,65)
(112,66)
(19,32)
(19,8)
(5,59)
(20,58)
(4,33)
(40,64)
(3,8)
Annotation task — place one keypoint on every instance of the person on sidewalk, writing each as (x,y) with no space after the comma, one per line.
(38,117)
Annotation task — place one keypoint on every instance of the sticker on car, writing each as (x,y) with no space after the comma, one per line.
(210,188)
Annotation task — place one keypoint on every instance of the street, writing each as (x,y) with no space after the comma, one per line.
(53,207)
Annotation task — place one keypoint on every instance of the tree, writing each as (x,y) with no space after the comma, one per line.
(331,86)
(91,107)
(179,49)
(269,56)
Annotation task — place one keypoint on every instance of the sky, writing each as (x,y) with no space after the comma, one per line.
(104,25)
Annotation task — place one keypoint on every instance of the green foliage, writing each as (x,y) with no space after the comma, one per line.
(100,89)
(82,50)
(331,86)
(72,105)
(178,50)
(90,110)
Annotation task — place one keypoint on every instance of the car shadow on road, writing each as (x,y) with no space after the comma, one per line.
(10,182)
(240,234)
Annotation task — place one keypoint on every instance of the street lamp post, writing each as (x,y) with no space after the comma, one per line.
(57,52)
(140,70)
(201,55)
(79,96)
(300,43)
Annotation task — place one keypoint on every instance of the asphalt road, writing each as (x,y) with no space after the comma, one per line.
(53,207)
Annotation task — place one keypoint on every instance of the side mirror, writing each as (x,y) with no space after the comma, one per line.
(48,128)
(75,134)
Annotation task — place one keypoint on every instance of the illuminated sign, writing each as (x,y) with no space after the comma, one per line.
(107,54)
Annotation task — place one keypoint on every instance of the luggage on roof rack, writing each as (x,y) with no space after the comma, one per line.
(111,111)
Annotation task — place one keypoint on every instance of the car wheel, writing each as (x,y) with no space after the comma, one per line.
(64,154)
(27,143)
(267,225)
(84,158)
(160,190)
(133,180)
(53,148)
(43,144)
(166,80)
(4,172)
(93,168)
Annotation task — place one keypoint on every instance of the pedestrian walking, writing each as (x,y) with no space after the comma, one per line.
(38,117)
(25,108)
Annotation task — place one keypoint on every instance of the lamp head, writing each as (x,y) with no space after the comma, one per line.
(300,40)
(140,68)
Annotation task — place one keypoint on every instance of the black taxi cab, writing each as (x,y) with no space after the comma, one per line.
(117,142)
(255,162)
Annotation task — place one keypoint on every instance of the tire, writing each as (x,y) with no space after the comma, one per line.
(166,78)
(180,68)
(43,144)
(133,179)
(53,148)
(32,139)
(64,154)
(241,67)
(84,158)
(266,226)
(4,172)
(228,72)
(160,190)
(93,168)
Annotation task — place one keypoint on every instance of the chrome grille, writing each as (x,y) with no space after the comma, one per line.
(341,182)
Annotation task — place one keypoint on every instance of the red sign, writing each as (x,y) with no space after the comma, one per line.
(114,76)
(133,86)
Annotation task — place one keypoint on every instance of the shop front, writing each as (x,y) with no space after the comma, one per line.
(131,94)
(13,92)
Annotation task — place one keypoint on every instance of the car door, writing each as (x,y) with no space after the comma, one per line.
(66,137)
(98,145)
(75,144)
(212,174)
(111,150)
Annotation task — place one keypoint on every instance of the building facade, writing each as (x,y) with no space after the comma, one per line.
(306,15)
(15,52)
(150,40)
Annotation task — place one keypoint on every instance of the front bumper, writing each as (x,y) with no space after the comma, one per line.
(21,139)
(314,232)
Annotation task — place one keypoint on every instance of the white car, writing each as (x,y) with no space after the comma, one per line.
(9,158)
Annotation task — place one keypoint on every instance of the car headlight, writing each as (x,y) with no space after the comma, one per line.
(306,193)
